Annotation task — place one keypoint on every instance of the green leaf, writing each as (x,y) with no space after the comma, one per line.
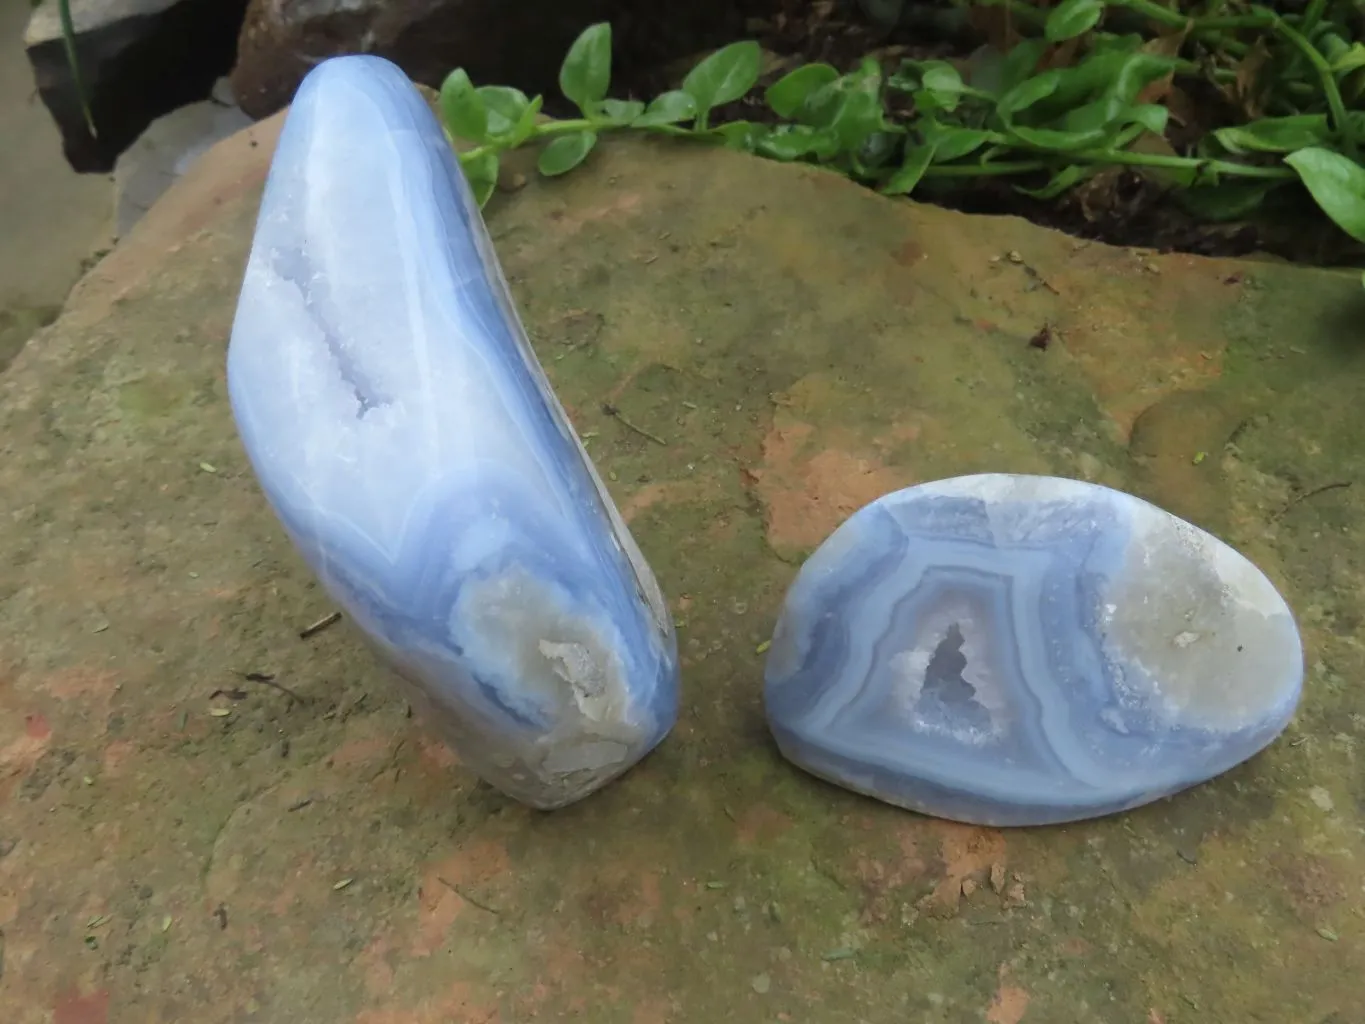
(1109,42)
(906,78)
(1061,181)
(1072,18)
(850,107)
(875,151)
(1350,60)
(668,108)
(724,76)
(1152,116)
(1109,79)
(481,171)
(953,143)
(796,141)
(1337,183)
(1331,45)
(868,76)
(621,112)
(793,141)
(566,152)
(917,161)
(1103,114)
(1021,61)
(462,108)
(858,118)
(505,107)
(825,105)
(526,124)
(1275,134)
(943,84)
(742,135)
(586,72)
(1088,118)
(1232,200)
(1129,73)
(1061,141)
(1027,93)
(787,95)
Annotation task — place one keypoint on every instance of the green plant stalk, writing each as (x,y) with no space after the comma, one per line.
(1340,121)
(1114,155)
(1118,153)
(1174,19)
(1278,25)
(549,129)
(1182,163)
(1312,16)
(1000,169)
(69,44)
(587,87)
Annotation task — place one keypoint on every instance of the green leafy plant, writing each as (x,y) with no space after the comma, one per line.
(498,118)
(1047,123)
(73,62)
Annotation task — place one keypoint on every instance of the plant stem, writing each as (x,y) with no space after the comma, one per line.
(985,170)
(69,44)
(1340,121)
(1183,163)
(573,124)
(578,124)
(1174,19)
(1312,16)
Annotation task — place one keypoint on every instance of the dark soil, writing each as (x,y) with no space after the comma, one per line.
(1120,207)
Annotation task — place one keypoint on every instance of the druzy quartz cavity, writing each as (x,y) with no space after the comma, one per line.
(1023,650)
(412,447)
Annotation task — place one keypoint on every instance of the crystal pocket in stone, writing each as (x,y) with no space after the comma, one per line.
(1023,650)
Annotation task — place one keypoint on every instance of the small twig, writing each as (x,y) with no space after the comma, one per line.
(1338,485)
(1040,279)
(468,898)
(268,679)
(320,625)
(616,413)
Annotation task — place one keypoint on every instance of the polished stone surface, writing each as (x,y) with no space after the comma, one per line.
(1017,650)
(411,445)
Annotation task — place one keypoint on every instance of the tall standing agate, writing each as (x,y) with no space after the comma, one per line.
(1022,650)
(411,445)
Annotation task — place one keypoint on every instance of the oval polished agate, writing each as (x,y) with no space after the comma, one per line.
(413,449)
(1023,650)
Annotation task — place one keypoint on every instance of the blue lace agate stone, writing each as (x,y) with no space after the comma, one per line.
(1021,650)
(409,442)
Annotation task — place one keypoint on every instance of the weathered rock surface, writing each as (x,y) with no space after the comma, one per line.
(50,219)
(498,42)
(182,841)
(167,149)
(139,59)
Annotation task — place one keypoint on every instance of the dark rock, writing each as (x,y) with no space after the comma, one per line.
(139,59)
(166,150)
(498,42)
